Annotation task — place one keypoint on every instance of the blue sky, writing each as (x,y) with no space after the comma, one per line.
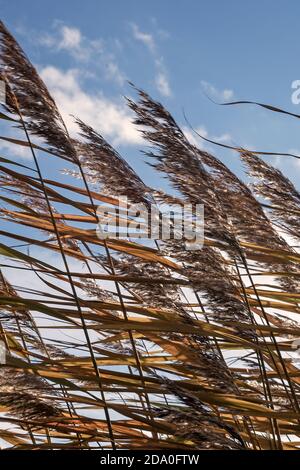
(178,52)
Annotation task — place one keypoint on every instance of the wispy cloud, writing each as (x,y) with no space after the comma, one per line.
(70,38)
(193,138)
(84,50)
(160,32)
(146,38)
(162,84)
(196,140)
(109,117)
(294,151)
(13,150)
(221,95)
(161,79)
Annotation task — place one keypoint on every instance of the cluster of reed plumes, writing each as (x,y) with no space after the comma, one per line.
(132,345)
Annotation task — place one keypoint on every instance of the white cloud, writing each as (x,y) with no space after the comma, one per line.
(112,72)
(84,50)
(228,94)
(193,138)
(223,138)
(213,92)
(110,118)
(12,150)
(162,84)
(71,38)
(294,151)
(196,140)
(161,80)
(162,33)
(146,38)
